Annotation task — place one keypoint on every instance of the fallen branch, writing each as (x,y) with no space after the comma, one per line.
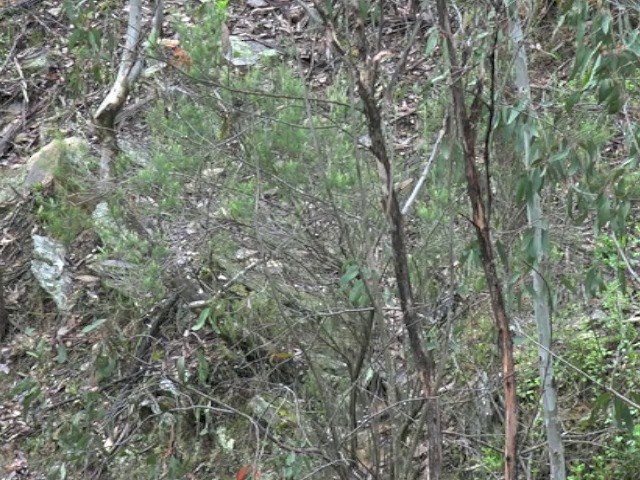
(195,305)
(11,130)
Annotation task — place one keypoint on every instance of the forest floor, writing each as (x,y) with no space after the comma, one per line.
(46,93)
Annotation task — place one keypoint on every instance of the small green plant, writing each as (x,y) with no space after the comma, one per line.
(30,393)
(492,460)
(352,283)
(620,459)
(90,44)
(62,220)
(295,466)
(132,263)
(241,205)
(203,42)
(65,211)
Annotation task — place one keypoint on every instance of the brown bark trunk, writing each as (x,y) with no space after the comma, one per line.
(425,362)
(483,233)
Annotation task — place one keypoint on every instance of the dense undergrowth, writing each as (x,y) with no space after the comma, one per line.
(249,324)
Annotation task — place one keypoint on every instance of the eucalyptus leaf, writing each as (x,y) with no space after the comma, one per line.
(182,371)
(61,357)
(352,272)
(432,41)
(600,405)
(603,207)
(93,325)
(202,319)
(623,414)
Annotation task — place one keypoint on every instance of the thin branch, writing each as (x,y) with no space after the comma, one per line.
(625,259)
(210,301)
(403,59)
(4,317)
(425,171)
(492,110)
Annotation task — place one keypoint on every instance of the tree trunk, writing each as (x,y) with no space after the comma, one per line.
(480,218)
(541,294)
(425,363)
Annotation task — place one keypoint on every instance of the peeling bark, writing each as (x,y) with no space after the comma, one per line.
(466,123)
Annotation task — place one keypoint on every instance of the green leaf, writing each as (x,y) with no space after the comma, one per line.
(606,23)
(203,368)
(357,294)
(528,245)
(524,189)
(94,37)
(202,319)
(623,414)
(618,221)
(176,467)
(432,41)
(593,282)
(620,182)
(567,283)
(572,101)
(182,371)
(580,62)
(213,319)
(603,206)
(23,386)
(105,366)
(436,80)
(605,88)
(544,240)
(621,276)
(583,204)
(599,405)
(471,255)
(352,272)
(536,181)
(31,396)
(557,162)
(633,45)
(591,77)
(623,213)
(513,114)
(530,129)
(615,102)
(606,65)
(92,326)
(502,253)
(62,353)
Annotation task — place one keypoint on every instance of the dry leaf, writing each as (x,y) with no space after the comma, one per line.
(169,42)
(243,472)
